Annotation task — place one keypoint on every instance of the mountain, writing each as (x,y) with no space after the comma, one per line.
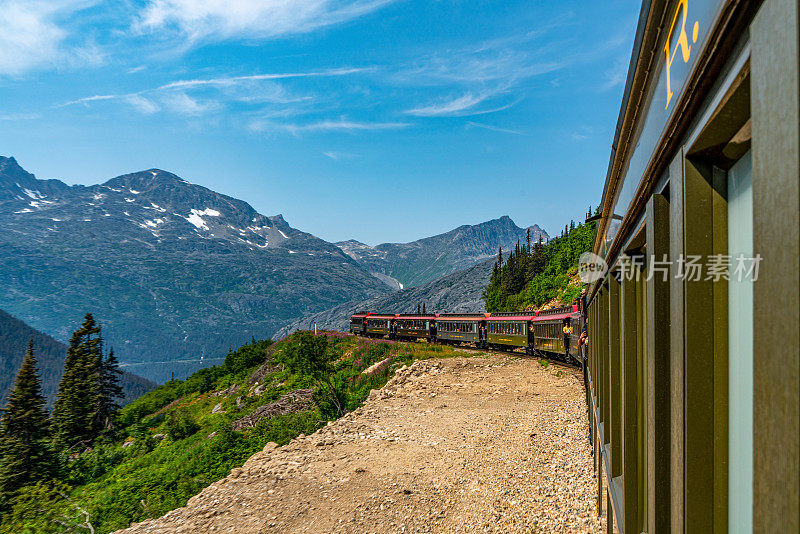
(174,271)
(456,292)
(419,262)
(50,354)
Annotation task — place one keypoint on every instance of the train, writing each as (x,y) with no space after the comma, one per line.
(534,333)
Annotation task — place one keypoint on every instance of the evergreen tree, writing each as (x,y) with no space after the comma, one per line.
(423,308)
(109,391)
(76,402)
(571,225)
(25,456)
(528,239)
(418,310)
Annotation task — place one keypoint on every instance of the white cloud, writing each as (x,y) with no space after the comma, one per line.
(234,80)
(460,107)
(19,116)
(451,107)
(33,34)
(186,105)
(142,104)
(492,128)
(227,19)
(341,125)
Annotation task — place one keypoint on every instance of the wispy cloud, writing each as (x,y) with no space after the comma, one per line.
(33,34)
(20,116)
(341,125)
(142,104)
(471,124)
(336,156)
(450,107)
(216,20)
(185,105)
(234,80)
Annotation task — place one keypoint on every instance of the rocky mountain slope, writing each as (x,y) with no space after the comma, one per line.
(174,271)
(419,262)
(50,354)
(456,292)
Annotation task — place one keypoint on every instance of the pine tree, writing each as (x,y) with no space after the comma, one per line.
(571,225)
(109,391)
(76,401)
(25,456)
(418,310)
(528,239)
(423,308)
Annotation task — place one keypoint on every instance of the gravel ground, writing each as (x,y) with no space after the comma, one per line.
(482,444)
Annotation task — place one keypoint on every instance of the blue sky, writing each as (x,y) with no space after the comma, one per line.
(379,120)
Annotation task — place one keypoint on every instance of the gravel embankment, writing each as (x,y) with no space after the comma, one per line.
(483,444)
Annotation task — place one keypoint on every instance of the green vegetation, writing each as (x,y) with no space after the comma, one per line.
(179,438)
(533,275)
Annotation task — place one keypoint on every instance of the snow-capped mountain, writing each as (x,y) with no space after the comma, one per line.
(174,270)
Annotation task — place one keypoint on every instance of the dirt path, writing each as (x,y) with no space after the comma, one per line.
(484,444)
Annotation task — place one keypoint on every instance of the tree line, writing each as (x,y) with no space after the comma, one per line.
(35,445)
(533,274)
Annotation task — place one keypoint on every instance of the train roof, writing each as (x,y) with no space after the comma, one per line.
(415,316)
(509,316)
(572,308)
(461,317)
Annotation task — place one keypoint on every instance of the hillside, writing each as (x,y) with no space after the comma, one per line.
(405,265)
(461,445)
(14,336)
(175,270)
(185,435)
(527,279)
(456,292)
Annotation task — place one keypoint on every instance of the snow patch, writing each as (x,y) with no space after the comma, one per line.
(98,196)
(36,195)
(134,191)
(284,235)
(196,219)
(26,210)
(129,199)
(292,252)
(56,220)
(401,285)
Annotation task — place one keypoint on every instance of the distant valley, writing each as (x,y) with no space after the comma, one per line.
(50,354)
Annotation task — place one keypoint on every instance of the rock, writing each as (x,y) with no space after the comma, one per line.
(128,443)
(238,402)
(159,437)
(271,446)
(218,408)
(212,435)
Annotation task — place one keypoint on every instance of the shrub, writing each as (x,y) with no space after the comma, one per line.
(180,424)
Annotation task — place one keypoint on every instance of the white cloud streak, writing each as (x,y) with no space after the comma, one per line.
(217,20)
(471,124)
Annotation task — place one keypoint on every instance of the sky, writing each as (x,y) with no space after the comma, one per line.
(375,120)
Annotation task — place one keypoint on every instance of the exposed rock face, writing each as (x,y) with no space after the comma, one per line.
(414,264)
(456,292)
(171,269)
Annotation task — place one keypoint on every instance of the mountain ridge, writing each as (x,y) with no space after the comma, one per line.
(418,262)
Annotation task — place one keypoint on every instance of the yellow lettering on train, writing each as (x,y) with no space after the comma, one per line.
(682,11)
